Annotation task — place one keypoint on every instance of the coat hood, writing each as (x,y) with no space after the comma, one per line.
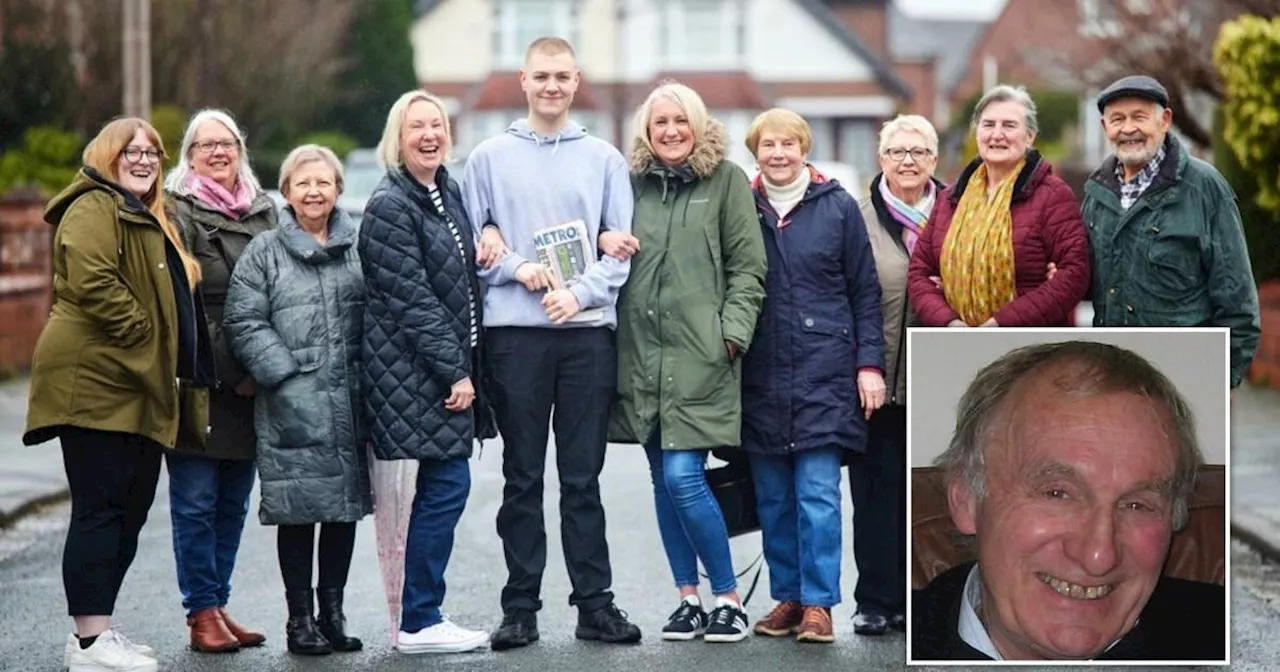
(708,151)
(572,130)
(87,180)
(300,244)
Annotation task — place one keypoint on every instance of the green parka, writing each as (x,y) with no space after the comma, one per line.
(108,357)
(697,282)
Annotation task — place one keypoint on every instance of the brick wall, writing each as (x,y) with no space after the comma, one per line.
(1265,370)
(25,275)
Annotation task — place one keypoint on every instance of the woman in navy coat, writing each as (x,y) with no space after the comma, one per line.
(814,373)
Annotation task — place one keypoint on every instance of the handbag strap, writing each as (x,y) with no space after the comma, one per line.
(758,565)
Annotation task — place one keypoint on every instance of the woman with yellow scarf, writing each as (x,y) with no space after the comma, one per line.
(1006,246)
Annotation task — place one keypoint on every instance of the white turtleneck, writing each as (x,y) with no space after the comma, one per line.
(785,197)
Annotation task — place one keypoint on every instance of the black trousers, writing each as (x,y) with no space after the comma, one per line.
(878,485)
(112,477)
(296,546)
(574,372)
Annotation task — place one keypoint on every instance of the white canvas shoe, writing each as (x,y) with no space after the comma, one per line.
(73,643)
(109,653)
(443,637)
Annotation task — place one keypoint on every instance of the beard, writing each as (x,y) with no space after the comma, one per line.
(1136,157)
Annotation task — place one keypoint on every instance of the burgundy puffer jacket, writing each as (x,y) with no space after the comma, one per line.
(1047,227)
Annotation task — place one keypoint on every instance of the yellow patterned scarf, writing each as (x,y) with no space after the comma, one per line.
(977,254)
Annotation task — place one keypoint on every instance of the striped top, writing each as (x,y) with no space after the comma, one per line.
(462,249)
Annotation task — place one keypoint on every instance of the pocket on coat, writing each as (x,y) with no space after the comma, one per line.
(295,417)
(827,346)
(1175,265)
(309,359)
(698,380)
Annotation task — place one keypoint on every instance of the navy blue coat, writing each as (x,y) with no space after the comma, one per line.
(819,325)
(416,341)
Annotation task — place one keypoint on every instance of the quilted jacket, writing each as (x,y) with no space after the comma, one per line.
(417,325)
(1046,227)
(293,317)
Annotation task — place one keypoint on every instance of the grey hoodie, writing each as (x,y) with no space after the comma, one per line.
(522,182)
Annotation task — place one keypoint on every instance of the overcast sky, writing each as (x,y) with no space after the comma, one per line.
(970,9)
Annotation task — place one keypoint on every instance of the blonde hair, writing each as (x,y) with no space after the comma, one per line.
(308,154)
(784,121)
(389,146)
(909,123)
(178,178)
(688,100)
(550,46)
(101,155)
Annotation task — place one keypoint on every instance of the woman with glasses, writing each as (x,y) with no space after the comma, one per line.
(998,233)
(116,372)
(215,200)
(896,212)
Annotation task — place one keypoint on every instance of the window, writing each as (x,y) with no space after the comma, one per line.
(701,34)
(517,23)
(477,127)
(1098,18)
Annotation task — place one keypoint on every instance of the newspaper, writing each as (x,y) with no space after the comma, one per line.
(566,249)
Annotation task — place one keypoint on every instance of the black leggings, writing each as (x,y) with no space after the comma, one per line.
(296,547)
(112,477)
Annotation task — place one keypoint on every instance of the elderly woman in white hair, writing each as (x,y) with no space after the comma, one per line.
(293,316)
(218,206)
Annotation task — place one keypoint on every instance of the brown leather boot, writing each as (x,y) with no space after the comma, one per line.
(243,635)
(816,626)
(209,633)
(783,621)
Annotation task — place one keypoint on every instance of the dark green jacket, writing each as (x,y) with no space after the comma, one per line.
(217,242)
(108,357)
(1177,257)
(697,281)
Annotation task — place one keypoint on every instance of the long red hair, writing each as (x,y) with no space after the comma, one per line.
(102,155)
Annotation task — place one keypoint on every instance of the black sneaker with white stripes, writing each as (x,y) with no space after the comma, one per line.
(687,622)
(728,623)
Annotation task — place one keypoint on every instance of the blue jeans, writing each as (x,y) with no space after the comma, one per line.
(208,502)
(443,486)
(689,517)
(798,499)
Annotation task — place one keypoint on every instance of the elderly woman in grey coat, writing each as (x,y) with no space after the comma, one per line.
(293,314)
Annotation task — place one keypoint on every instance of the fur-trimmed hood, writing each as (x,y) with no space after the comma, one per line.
(708,151)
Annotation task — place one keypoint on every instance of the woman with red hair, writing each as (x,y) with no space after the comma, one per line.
(118,373)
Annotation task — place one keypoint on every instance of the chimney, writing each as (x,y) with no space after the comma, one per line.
(868,19)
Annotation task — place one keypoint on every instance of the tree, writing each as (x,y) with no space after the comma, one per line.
(36,77)
(1248,55)
(1171,40)
(379,71)
(47,159)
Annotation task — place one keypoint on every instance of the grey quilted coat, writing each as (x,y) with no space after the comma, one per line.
(293,315)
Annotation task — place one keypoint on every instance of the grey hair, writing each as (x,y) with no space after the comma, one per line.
(176,182)
(1100,368)
(1004,93)
(909,123)
(306,154)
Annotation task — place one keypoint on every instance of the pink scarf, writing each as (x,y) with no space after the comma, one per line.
(212,194)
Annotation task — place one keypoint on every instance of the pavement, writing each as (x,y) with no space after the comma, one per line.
(34,511)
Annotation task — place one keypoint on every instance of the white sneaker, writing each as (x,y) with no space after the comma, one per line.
(109,653)
(73,643)
(443,637)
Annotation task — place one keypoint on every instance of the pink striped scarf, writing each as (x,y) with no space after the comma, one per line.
(233,205)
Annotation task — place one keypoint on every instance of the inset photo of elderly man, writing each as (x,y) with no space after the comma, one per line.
(1068,495)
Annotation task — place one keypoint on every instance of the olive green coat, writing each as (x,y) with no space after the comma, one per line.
(108,357)
(697,282)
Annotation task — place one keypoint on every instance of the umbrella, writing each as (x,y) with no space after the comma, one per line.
(394,486)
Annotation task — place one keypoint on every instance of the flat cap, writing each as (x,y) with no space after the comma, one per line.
(1141,86)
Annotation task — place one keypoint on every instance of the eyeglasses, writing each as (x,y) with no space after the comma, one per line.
(898,154)
(135,154)
(208,146)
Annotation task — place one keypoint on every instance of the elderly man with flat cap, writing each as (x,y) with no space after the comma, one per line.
(1165,239)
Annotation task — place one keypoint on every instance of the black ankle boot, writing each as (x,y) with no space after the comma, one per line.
(301,633)
(332,624)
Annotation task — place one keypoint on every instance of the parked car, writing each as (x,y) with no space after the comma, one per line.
(361,174)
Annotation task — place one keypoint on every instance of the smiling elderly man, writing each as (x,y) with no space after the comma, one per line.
(1071,466)
(1165,239)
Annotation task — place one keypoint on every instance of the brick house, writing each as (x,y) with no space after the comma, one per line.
(742,56)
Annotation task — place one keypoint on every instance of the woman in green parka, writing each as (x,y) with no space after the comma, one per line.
(685,318)
(118,373)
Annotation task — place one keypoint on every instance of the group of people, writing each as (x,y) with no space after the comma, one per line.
(196,323)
